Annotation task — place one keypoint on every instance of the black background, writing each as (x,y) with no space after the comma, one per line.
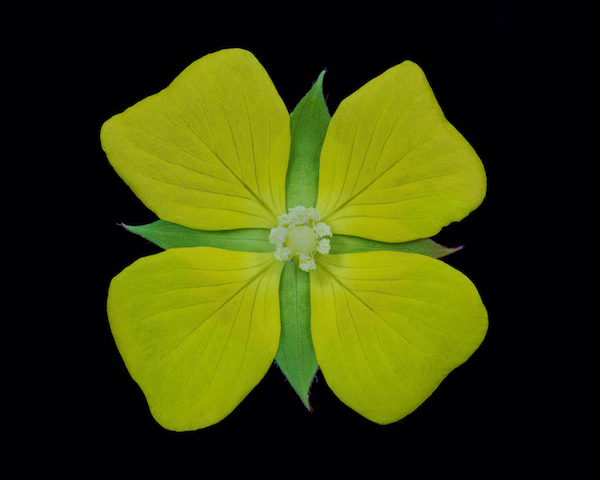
(516,82)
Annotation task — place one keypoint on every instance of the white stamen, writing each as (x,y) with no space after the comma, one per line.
(286,235)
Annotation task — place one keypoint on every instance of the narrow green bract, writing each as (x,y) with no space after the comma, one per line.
(170,235)
(308,125)
(346,244)
(296,356)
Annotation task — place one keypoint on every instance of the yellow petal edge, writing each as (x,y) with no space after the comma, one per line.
(210,151)
(388,327)
(393,169)
(197,328)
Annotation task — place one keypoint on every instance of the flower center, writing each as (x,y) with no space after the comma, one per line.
(301,239)
(299,235)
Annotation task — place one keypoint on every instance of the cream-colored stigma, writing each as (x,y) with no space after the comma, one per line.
(299,235)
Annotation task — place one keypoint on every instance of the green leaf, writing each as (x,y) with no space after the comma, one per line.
(425,246)
(296,355)
(308,125)
(170,235)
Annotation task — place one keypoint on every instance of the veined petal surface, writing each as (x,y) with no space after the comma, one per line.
(210,151)
(197,328)
(388,327)
(393,169)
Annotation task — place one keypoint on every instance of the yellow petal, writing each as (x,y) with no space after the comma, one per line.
(198,328)
(393,168)
(388,327)
(209,152)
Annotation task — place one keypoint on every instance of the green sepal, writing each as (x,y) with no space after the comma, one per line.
(308,125)
(296,355)
(424,246)
(170,235)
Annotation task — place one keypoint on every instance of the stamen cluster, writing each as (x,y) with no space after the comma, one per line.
(299,235)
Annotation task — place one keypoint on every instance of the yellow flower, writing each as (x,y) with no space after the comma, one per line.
(199,327)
